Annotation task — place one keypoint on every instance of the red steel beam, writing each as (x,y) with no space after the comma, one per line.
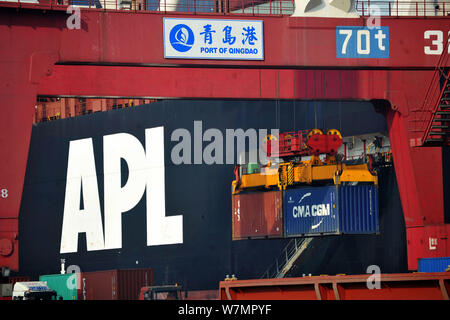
(116,37)
(411,286)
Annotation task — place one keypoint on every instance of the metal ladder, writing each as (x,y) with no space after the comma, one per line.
(438,128)
(432,119)
(286,260)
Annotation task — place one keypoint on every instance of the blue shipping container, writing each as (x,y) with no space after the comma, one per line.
(358,209)
(434,264)
(331,210)
(310,210)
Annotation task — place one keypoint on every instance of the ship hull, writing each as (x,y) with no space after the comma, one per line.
(199,192)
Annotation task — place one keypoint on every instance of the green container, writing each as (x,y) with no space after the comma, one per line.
(64,287)
(253,168)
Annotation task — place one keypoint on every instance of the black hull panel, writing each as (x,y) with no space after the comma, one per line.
(200,192)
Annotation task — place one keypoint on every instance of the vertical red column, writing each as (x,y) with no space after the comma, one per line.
(16,118)
(420,183)
(27,55)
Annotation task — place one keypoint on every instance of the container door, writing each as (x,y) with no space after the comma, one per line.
(257,215)
(358,209)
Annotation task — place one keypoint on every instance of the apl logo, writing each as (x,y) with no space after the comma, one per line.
(181,38)
(146,170)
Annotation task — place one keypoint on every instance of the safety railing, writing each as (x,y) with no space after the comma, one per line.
(403,8)
(224,7)
(425,114)
(276,270)
(52,108)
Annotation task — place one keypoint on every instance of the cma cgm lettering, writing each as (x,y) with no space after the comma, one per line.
(331,210)
(314,211)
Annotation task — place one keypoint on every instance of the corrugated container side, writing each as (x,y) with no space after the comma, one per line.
(358,209)
(115,284)
(65,285)
(130,282)
(434,264)
(331,210)
(257,215)
(310,210)
(99,285)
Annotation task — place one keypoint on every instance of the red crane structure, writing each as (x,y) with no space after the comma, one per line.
(120,53)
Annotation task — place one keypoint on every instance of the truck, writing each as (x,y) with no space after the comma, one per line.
(33,290)
(168,292)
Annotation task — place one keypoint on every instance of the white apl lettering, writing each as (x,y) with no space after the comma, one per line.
(117,199)
(81,175)
(146,172)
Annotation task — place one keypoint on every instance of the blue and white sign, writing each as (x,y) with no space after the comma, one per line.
(362,42)
(213,39)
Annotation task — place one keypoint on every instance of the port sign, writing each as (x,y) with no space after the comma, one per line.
(213,39)
(362,42)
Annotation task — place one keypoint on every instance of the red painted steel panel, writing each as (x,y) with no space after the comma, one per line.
(151,82)
(231,83)
(300,292)
(15,123)
(285,41)
(404,168)
(427,242)
(420,290)
(238,83)
(413,286)
(201,295)
(257,215)
(118,37)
